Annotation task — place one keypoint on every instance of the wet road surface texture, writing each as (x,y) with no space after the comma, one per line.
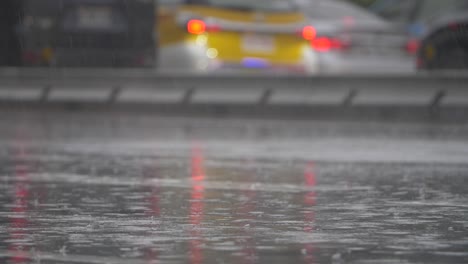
(90,188)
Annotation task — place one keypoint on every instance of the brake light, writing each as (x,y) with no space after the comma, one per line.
(324,44)
(309,33)
(31,57)
(412,46)
(454,26)
(196,27)
(213,28)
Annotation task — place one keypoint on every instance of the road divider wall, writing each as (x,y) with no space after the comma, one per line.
(425,91)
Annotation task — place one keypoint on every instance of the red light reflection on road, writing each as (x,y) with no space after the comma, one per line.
(19,222)
(309,201)
(151,255)
(249,254)
(310,181)
(198,168)
(153,200)
(245,218)
(197,204)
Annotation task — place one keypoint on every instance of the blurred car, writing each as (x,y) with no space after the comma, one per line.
(10,13)
(437,28)
(351,39)
(234,35)
(88,33)
(416,16)
(445,47)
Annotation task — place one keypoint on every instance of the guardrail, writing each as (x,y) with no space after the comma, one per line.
(148,87)
(424,96)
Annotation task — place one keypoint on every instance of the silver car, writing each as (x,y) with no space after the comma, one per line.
(351,39)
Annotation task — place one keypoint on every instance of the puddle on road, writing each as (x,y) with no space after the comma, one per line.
(199,208)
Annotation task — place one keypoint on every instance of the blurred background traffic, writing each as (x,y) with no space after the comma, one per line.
(104,165)
(211,36)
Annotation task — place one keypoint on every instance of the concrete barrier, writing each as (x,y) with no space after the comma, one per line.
(98,94)
(304,96)
(19,93)
(229,94)
(456,97)
(149,95)
(396,96)
(147,87)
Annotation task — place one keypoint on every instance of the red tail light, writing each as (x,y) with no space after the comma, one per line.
(196,27)
(309,33)
(412,46)
(454,26)
(31,57)
(213,28)
(324,44)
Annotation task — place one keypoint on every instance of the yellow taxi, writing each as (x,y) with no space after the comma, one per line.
(234,35)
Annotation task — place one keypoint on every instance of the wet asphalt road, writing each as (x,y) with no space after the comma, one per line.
(102,188)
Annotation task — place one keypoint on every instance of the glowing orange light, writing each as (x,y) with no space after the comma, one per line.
(196,27)
(309,33)
(322,44)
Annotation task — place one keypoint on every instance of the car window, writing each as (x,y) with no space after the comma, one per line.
(434,8)
(394,10)
(169,2)
(331,10)
(257,5)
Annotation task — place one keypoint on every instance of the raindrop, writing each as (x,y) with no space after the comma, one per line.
(336,258)
(63,250)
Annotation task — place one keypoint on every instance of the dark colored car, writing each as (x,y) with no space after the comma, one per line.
(96,33)
(445,47)
(10,16)
(437,29)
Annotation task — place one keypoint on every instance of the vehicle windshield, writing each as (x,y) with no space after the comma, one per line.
(248,5)
(334,9)
(415,10)
(432,9)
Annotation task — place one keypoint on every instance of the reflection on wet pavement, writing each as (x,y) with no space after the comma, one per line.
(163,209)
(195,205)
(18,241)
